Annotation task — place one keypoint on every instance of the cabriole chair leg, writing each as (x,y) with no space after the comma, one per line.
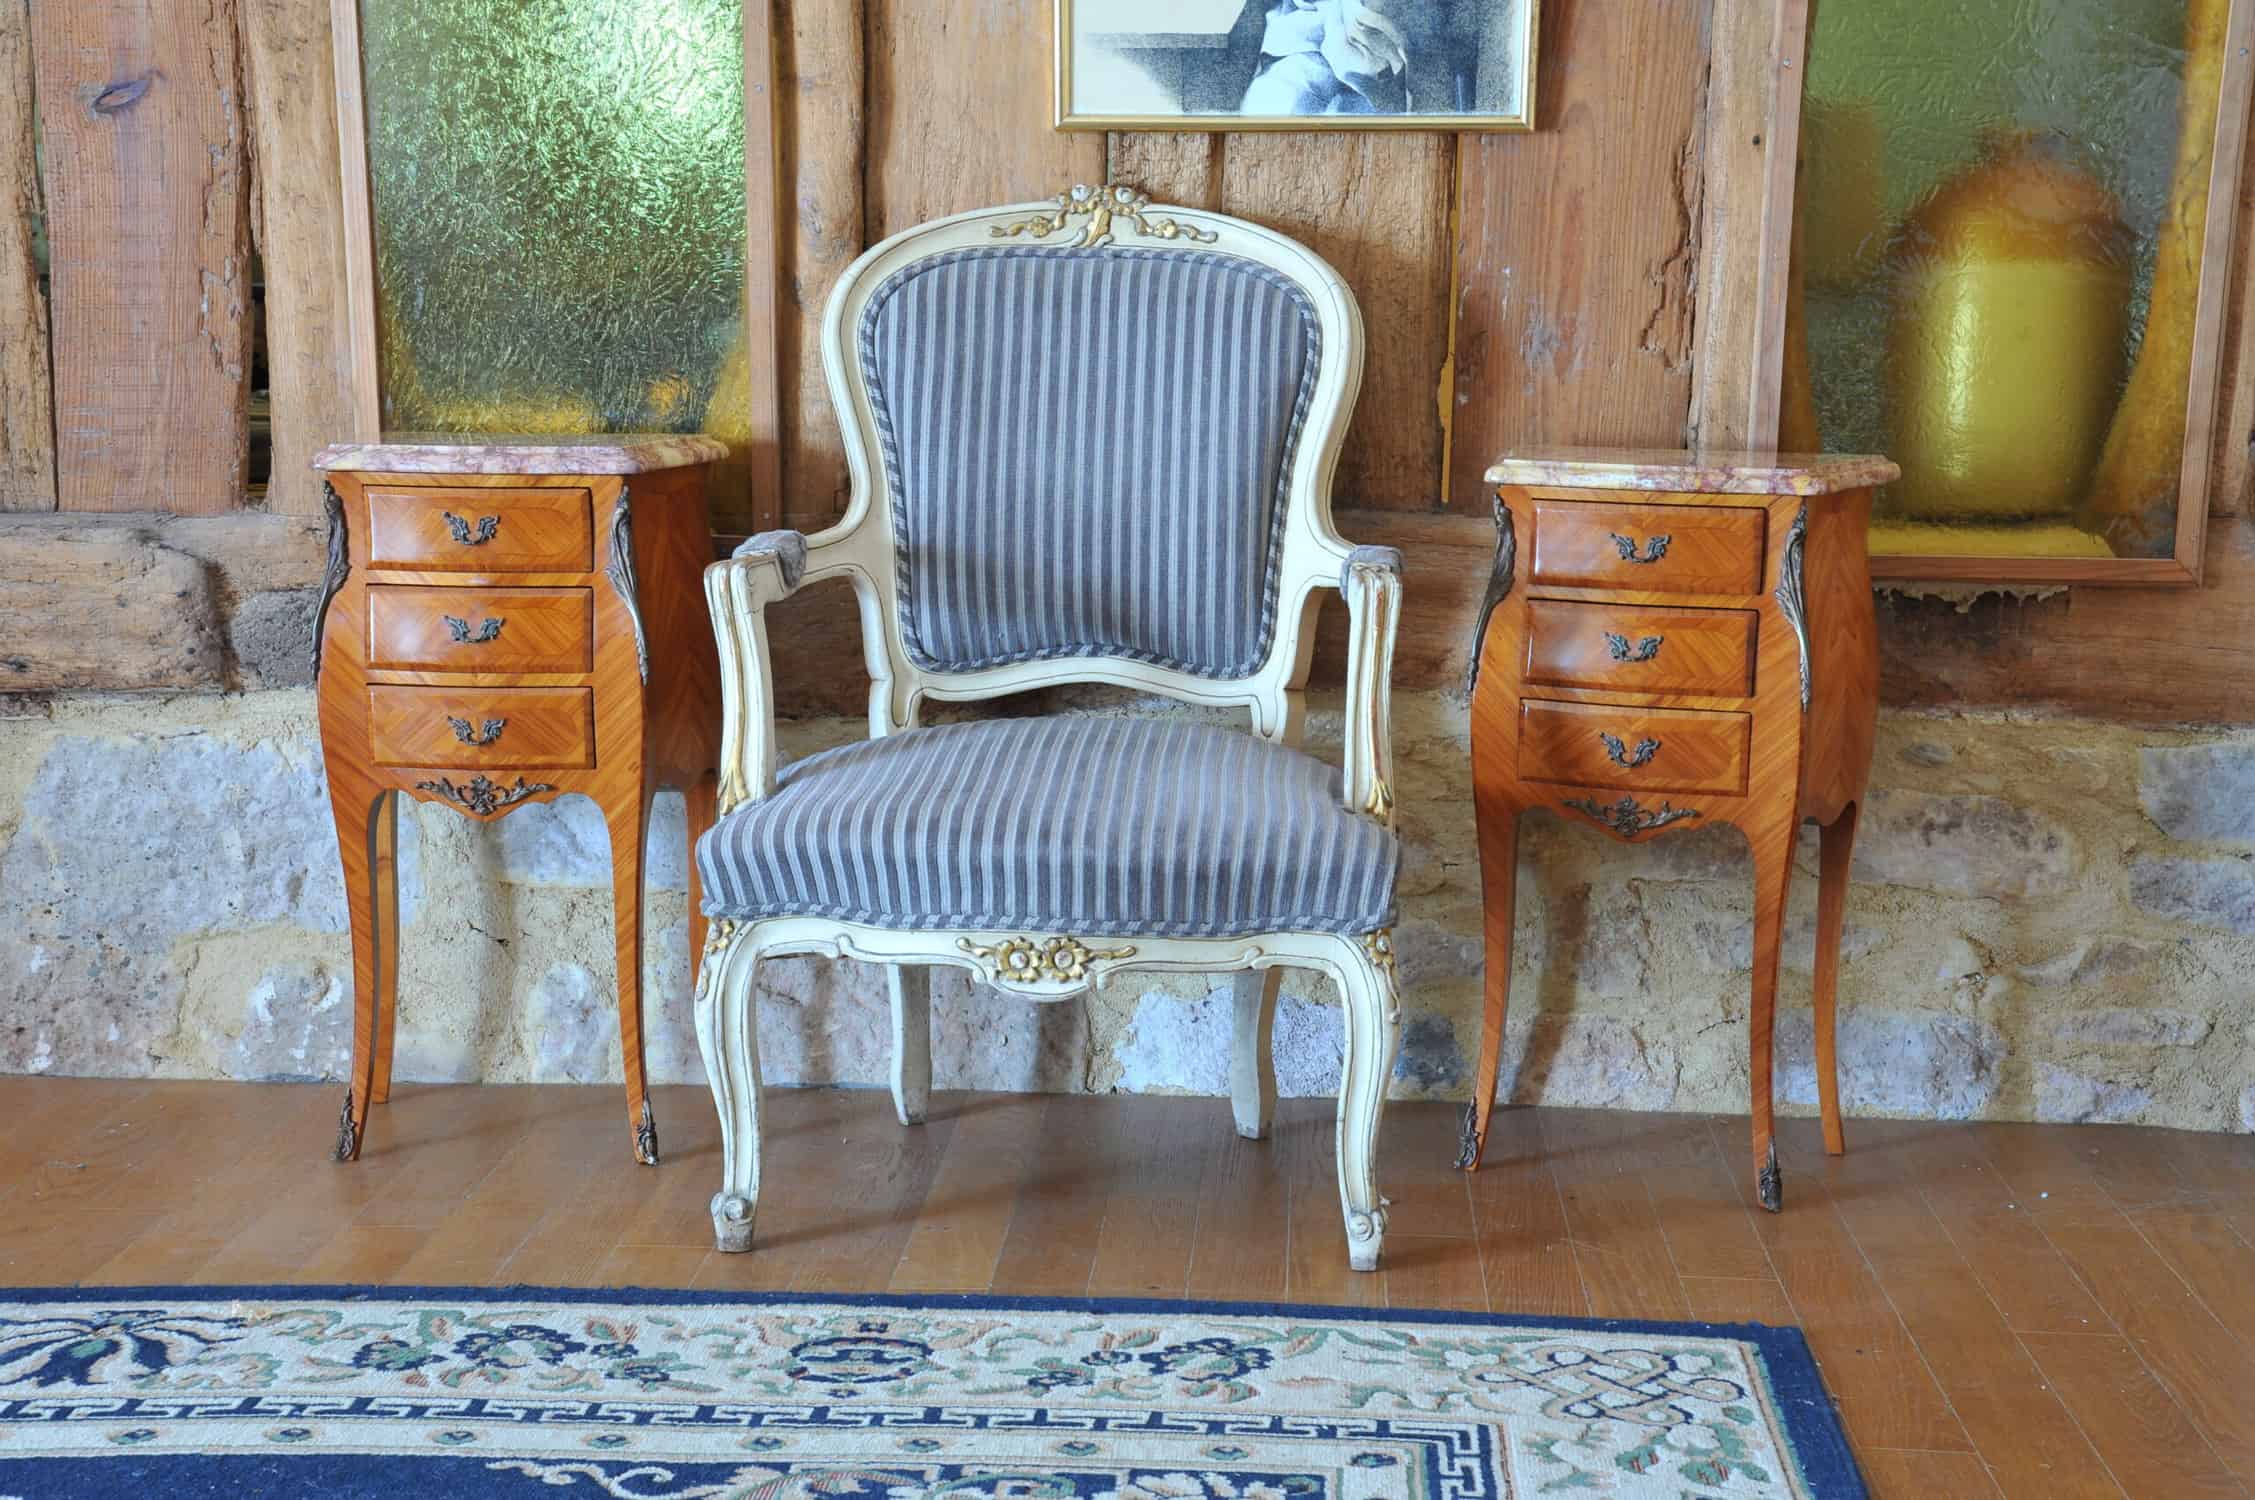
(1252,1055)
(910,988)
(728,1036)
(1373,1019)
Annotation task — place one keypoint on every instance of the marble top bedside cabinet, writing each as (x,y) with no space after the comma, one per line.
(503,621)
(1673,640)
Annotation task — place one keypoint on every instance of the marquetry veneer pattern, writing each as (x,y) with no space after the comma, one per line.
(1674,651)
(488,640)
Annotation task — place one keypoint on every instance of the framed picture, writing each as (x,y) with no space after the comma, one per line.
(1295,64)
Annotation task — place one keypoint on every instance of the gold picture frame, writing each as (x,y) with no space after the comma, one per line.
(1511,32)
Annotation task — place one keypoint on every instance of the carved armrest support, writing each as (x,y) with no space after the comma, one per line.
(1371,578)
(767,567)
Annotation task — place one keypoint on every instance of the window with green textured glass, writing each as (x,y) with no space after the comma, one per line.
(558,195)
(2003,209)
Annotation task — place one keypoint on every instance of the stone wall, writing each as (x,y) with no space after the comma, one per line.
(2052,920)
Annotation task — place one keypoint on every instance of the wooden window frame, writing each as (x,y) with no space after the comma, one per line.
(761,276)
(1742,347)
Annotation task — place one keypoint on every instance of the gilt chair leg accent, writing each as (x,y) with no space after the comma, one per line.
(728,1036)
(1252,1053)
(910,986)
(1373,1022)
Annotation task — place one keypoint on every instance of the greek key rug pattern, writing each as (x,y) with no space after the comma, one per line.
(627,1395)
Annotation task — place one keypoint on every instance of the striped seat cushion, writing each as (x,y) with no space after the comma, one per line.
(1088,452)
(1090,826)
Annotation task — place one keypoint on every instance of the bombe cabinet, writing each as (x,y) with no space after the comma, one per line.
(503,621)
(1670,641)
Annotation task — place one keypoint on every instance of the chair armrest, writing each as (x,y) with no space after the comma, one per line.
(765,568)
(1371,578)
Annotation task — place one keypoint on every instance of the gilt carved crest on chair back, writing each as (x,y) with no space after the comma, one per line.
(1077,457)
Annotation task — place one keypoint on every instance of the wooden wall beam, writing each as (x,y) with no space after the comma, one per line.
(1174,166)
(141,119)
(960,111)
(119,602)
(2157,656)
(1376,205)
(365,412)
(27,411)
(822,131)
(1751,133)
(298,219)
(762,236)
(1577,245)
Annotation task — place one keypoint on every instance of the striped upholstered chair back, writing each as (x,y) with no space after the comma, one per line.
(1102,461)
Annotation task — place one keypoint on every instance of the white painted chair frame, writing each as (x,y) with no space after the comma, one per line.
(1048,967)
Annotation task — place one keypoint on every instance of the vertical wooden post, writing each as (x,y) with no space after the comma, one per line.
(1575,283)
(27,395)
(299,221)
(363,410)
(994,109)
(141,122)
(821,132)
(764,421)
(1376,205)
(1751,151)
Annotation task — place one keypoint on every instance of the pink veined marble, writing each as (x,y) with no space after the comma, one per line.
(1719,472)
(511,453)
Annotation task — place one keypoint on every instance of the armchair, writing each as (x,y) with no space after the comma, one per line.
(1088,442)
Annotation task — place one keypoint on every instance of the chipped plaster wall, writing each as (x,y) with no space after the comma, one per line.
(2052,919)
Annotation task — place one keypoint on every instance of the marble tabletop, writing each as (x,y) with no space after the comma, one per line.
(514,453)
(1715,471)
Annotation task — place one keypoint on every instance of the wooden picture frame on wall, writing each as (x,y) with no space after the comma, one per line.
(2226,281)
(762,377)
(1205,65)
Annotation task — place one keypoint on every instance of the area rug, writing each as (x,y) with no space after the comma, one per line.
(340,1391)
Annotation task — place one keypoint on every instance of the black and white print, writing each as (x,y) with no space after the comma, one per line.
(1319,64)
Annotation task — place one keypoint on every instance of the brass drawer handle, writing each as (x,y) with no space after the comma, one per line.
(487,630)
(1618,647)
(1654,549)
(1622,755)
(1629,817)
(484,735)
(465,534)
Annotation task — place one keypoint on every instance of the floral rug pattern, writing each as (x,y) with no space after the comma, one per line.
(687,1396)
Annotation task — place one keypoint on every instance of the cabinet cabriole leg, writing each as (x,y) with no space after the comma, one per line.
(357,816)
(1499,878)
(629,824)
(1837,855)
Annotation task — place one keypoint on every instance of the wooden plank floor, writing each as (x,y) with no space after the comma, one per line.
(1999,1309)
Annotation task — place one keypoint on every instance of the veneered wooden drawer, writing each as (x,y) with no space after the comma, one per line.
(1635,749)
(1641,648)
(482,727)
(480,531)
(440,629)
(1664,549)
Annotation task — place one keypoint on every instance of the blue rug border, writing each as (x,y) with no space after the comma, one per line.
(1812,1424)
